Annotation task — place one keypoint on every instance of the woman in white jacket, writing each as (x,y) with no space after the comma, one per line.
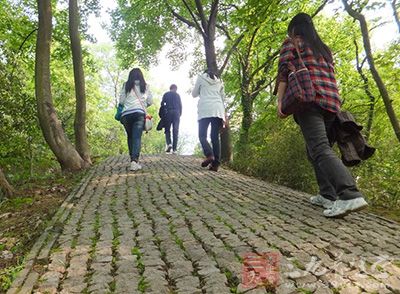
(135,96)
(210,110)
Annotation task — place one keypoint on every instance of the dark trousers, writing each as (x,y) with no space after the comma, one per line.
(334,179)
(133,124)
(216,124)
(172,119)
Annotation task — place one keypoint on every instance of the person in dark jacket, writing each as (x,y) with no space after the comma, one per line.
(172,104)
(338,192)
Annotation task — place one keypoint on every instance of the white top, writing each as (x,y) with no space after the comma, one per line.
(131,100)
(211,93)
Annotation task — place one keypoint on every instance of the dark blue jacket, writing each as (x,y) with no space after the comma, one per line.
(172,102)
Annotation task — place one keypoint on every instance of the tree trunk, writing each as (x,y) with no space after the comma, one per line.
(206,26)
(5,186)
(396,14)
(226,143)
(211,57)
(377,78)
(371,109)
(53,132)
(247,119)
(211,60)
(81,142)
(367,91)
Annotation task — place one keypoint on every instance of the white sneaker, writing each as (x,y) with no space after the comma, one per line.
(135,166)
(344,207)
(321,201)
(168,148)
(175,152)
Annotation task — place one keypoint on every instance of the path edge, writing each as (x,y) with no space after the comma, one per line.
(27,275)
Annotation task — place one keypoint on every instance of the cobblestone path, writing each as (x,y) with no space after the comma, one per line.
(174,227)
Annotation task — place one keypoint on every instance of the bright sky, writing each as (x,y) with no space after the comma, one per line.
(161,76)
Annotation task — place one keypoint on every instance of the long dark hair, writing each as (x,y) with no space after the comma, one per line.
(302,25)
(135,75)
(211,74)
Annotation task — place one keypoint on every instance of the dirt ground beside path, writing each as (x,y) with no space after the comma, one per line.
(23,219)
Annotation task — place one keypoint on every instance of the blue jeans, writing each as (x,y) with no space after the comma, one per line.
(216,124)
(134,124)
(334,179)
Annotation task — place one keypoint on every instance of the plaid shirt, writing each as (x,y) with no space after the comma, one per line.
(321,72)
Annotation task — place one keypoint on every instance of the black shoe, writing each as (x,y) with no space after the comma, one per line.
(207,161)
(214,167)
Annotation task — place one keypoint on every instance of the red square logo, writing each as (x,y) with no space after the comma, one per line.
(260,270)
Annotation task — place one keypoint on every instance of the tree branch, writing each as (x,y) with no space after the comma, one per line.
(225,30)
(197,25)
(202,16)
(264,64)
(228,55)
(379,25)
(181,18)
(213,13)
(19,51)
(253,36)
(229,6)
(26,39)
(260,87)
(319,8)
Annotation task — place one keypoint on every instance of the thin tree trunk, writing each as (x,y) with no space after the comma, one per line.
(372,99)
(396,14)
(226,143)
(53,132)
(247,119)
(211,59)
(377,78)
(5,186)
(81,140)
(367,91)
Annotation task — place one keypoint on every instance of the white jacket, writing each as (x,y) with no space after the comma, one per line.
(131,101)
(211,92)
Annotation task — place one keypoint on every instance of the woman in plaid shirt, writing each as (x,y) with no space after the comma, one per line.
(337,190)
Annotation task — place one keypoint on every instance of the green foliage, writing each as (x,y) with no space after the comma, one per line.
(8,275)
(140,29)
(276,152)
(276,149)
(23,151)
(18,202)
(19,133)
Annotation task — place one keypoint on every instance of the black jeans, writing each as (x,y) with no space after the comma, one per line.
(216,124)
(334,179)
(134,124)
(173,118)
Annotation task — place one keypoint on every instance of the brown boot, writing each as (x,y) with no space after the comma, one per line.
(207,161)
